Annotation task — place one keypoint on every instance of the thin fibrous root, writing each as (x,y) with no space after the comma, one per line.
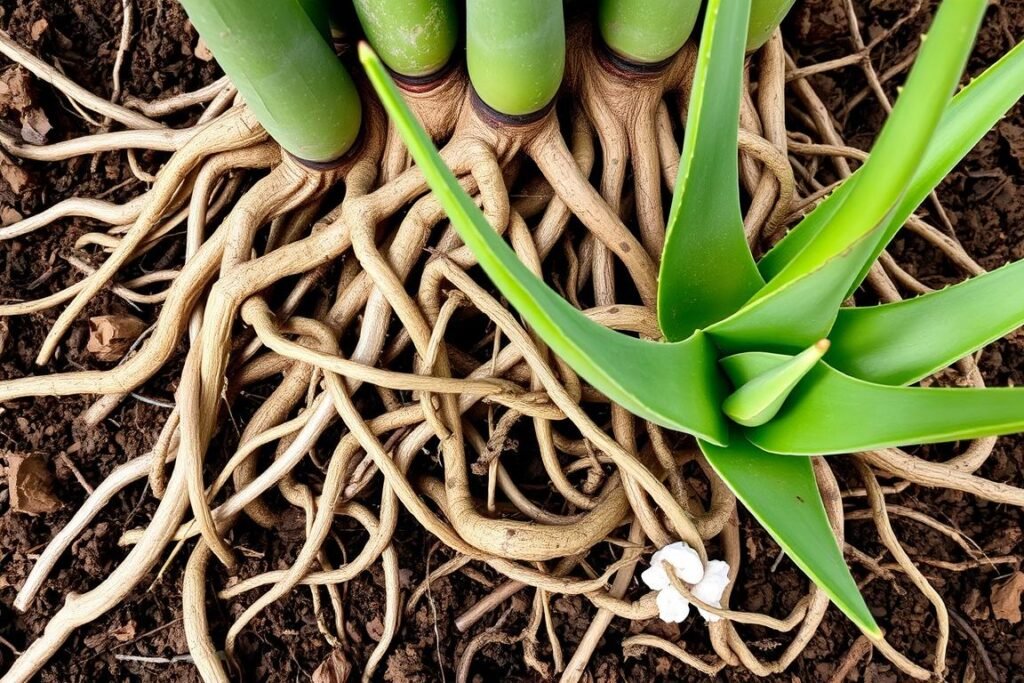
(43,71)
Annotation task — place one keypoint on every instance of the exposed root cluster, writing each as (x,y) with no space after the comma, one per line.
(346,290)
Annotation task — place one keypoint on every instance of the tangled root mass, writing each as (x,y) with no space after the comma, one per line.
(345,291)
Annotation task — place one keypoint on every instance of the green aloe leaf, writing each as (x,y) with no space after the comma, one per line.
(760,399)
(707,270)
(675,385)
(970,115)
(830,413)
(792,318)
(781,492)
(795,309)
(902,342)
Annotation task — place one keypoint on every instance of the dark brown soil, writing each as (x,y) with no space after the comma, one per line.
(985,201)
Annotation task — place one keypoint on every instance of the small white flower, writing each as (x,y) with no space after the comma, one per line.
(681,556)
(712,586)
(708,583)
(672,606)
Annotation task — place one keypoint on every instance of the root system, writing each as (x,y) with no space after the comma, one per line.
(346,292)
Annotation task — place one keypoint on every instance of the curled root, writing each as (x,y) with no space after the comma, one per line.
(345,291)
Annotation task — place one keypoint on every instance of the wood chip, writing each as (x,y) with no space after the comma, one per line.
(375,628)
(110,336)
(125,632)
(17,94)
(202,51)
(9,215)
(14,175)
(30,484)
(38,28)
(15,90)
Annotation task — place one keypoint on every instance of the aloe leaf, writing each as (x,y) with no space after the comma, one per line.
(415,38)
(760,399)
(970,115)
(794,317)
(904,139)
(902,342)
(795,314)
(646,31)
(515,53)
(830,412)
(675,385)
(782,493)
(707,270)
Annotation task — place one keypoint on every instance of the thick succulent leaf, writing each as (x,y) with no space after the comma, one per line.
(675,385)
(760,399)
(794,317)
(970,115)
(904,139)
(707,270)
(781,492)
(830,412)
(902,342)
(782,310)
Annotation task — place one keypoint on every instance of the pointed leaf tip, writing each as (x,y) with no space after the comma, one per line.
(366,54)
(767,485)
(760,398)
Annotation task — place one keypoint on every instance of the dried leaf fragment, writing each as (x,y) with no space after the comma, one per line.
(334,669)
(1006,598)
(38,28)
(202,51)
(110,336)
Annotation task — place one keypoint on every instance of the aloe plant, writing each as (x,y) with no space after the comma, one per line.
(760,361)
(278,56)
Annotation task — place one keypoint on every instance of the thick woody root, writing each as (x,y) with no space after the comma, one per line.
(269,295)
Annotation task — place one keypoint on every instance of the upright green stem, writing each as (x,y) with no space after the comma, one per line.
(413,37)
(288,74)
(646,31)
(516,52)
(765,17)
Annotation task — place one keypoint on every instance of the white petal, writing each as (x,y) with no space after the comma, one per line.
(712,586)
(655,576)
(684,558)
(716,574)
(672,607)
